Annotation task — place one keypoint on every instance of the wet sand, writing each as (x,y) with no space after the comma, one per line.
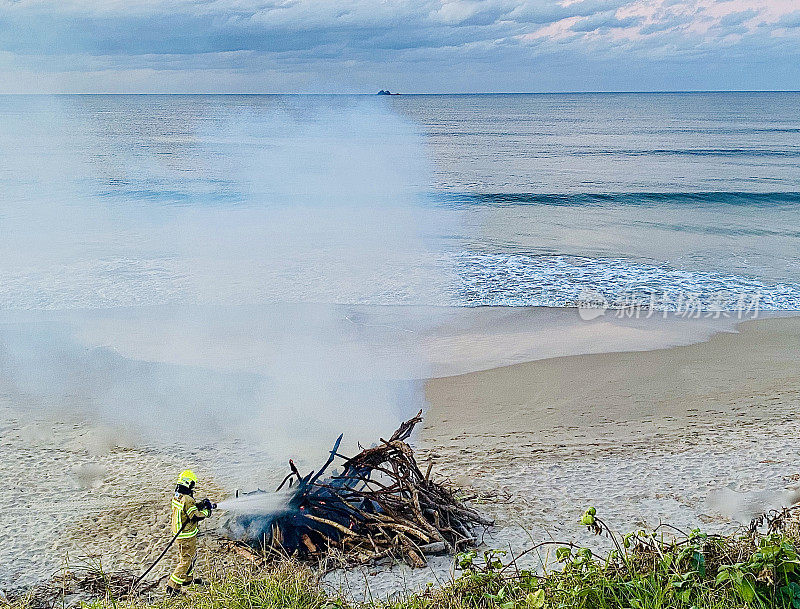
(608,397)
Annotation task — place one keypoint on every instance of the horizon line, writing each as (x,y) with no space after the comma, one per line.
(606,92)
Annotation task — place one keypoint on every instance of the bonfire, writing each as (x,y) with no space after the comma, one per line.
(381,505)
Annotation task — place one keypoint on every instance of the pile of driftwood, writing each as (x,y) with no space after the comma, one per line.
(381,505)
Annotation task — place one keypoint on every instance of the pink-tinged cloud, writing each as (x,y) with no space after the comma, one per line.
(708,21)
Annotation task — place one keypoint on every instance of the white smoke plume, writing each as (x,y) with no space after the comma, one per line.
(241,307)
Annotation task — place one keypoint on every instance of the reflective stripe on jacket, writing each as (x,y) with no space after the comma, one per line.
(184,510)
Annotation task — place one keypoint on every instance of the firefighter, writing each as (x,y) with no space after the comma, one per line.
(185,515)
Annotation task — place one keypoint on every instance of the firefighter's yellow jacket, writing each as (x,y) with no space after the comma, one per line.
(184,510)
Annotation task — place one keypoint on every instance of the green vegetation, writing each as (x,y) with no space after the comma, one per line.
(646,570)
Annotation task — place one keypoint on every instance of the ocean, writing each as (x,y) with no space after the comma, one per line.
(458,200)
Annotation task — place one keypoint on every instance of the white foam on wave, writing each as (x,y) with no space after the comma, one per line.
(465,278)
(497,279)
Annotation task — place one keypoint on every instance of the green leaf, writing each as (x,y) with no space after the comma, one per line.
(746,590)
(792,592)
(535,600)
(588,517)
(626,540)
(699,563)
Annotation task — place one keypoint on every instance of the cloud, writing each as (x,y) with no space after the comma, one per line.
(607,19)
(667,24)
(791,20)
(343,45)
(737,18)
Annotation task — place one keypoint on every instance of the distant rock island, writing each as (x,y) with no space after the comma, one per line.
(387,92)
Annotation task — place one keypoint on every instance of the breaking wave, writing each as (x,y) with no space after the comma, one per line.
(517,280)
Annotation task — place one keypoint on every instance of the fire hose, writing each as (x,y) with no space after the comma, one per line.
(208,505)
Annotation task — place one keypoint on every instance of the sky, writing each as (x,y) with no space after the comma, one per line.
(409,46)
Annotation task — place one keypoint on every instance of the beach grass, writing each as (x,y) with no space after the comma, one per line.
(657,569)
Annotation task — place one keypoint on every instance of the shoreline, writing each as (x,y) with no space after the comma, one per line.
(407,342)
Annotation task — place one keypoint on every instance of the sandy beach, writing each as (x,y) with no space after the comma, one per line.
(692,434)
(703,433)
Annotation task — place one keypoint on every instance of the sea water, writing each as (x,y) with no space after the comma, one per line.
(523,200)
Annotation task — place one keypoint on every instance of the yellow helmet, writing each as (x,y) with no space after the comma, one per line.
(187,478)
